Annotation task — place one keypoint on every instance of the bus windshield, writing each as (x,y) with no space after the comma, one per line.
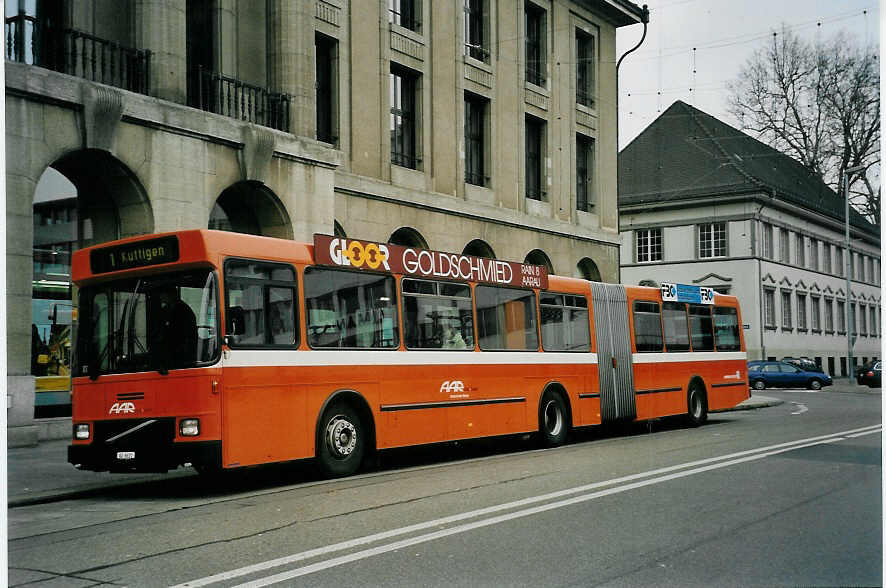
(150,323)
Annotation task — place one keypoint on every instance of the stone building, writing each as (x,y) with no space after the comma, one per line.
(703,203)
(478,126)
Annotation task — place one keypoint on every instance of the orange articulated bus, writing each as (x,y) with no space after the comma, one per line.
(224,350)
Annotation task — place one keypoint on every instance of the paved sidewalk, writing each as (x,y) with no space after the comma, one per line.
(42,474)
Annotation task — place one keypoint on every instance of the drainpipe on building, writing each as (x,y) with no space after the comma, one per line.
(644,18)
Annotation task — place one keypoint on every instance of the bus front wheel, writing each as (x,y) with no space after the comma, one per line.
(341,441)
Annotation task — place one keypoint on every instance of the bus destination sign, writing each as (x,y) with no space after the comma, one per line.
(412,261)
(134,255)
(686,293)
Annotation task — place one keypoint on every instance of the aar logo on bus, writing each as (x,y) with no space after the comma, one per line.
(122,408)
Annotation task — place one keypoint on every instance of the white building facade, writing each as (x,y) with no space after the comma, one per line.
(701,203)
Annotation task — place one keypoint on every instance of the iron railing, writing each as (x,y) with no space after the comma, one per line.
(236,99)
(77,53)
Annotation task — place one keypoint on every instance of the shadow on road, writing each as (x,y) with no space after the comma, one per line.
(270,477)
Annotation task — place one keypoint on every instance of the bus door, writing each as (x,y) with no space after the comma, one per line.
(617,399)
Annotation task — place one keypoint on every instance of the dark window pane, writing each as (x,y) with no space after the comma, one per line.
(726,329)
(701,327)
(506,319)
(647,326)
(676,326)
(348,309)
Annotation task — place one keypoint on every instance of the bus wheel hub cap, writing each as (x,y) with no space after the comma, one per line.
(341,437)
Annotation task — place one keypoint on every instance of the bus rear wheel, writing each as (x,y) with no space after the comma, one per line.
(341,441)
(697,403)
(552,419)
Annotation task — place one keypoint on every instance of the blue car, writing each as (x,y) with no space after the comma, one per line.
(780,374)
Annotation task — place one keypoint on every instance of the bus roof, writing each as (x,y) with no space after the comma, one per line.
(200,247)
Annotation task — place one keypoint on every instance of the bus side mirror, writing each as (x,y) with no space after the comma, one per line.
(236,321)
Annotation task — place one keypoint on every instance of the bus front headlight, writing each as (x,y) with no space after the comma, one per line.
(189,427)
(81,431)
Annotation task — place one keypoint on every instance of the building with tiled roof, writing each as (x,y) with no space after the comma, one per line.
(702,203)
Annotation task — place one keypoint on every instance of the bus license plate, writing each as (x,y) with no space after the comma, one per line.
(126,455)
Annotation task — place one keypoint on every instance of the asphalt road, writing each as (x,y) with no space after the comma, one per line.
(782,496)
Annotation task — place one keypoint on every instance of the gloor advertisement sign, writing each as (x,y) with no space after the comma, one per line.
(412,261)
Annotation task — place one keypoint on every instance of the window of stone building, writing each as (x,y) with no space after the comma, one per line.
(476,108)
(826,265)
(405,13)
(767,241)
(841,317)
(712,240)
(585,90)
(769,308)
(813,254)
(784,246)
(536,45)
(584,173)
(403,95)
(801,311)
(829,315)
(200,51)
(787,322)
(535,144)
(839,263)
(816,313)
(649,245)
(801,250)
(476,30)
(862,320)
(326,95)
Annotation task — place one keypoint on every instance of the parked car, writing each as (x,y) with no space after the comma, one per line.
(804,363)
(872,378)
(780,374)
(863,369)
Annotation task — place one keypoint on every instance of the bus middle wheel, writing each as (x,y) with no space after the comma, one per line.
(552,419)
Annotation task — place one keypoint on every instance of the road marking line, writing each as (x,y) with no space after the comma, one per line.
(801,408)
(699,465)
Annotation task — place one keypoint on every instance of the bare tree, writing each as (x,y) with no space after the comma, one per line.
(820,104)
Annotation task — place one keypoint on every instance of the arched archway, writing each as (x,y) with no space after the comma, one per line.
(479,248)
(408,237)
(83,198)
(250,207)
(539,257)
(111,202)
(588,270)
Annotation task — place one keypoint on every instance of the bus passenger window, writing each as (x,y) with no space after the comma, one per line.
(437,315)
(676,326)
(350,309)
(506,319)
(260,300)
(564,322)
(701,327)
(647,327)
(726,327)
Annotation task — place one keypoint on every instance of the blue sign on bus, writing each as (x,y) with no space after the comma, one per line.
(687,293)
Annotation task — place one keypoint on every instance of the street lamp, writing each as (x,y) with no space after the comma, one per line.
(849,323)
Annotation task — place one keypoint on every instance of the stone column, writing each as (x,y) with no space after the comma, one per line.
(19,228)
(445,86)
(161,26)
(292,61)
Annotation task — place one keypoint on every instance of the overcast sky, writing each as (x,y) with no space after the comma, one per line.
(724,34)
